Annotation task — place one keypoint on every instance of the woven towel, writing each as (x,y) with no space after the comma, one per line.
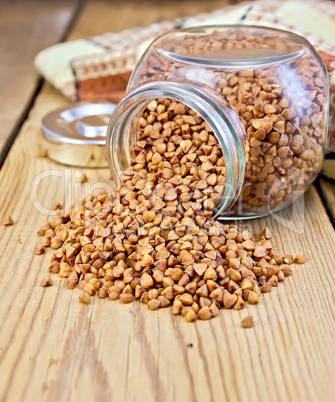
(99,68)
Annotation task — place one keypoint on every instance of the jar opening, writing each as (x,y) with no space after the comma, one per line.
(133,123)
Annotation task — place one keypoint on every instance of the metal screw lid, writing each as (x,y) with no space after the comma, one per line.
(76,134)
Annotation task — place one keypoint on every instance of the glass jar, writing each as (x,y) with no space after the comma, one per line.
(262,92)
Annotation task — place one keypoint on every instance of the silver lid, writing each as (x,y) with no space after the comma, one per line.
(76,134)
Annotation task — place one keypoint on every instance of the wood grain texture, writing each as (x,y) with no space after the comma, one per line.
(328,193)
(26,27)
(52,348)
(120,15)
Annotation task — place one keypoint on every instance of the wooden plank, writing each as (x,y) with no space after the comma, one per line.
(26,28)
(107,350)
(127,14)
(54,348)
(328,193)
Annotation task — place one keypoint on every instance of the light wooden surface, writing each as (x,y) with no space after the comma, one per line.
(126,14)
(52,348)
(26,27)
(328,193)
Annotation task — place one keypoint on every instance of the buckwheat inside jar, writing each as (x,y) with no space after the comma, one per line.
(276,85)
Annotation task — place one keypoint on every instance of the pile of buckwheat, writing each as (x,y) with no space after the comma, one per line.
(154,238)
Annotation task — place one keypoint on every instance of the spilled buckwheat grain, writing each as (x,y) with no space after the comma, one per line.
(247,322)
(7,221)
(154,238)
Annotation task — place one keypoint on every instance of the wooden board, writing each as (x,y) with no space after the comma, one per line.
(125,14)
(52,348)
(26,28)
(328,193)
